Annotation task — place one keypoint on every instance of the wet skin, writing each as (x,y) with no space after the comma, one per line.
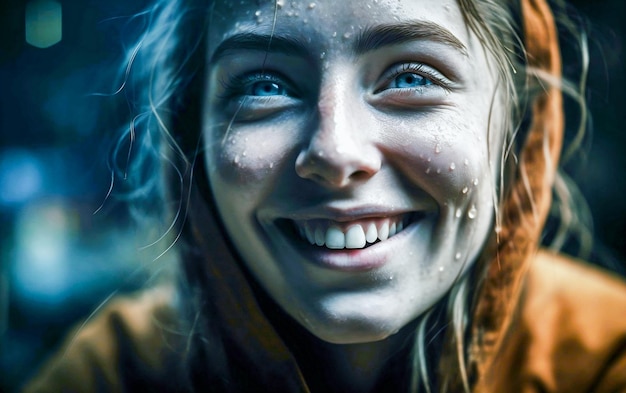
(325,122)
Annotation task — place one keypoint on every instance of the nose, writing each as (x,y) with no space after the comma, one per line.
(340,151)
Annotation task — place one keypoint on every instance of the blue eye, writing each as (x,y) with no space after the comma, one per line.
(267,88)
(408,80)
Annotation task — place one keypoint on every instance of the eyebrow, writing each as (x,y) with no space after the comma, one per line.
(380,36)
(370,39)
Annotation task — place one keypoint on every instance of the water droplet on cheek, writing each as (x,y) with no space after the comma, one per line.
(472,212)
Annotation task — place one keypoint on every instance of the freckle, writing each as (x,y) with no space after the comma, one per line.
(452,166)
(437,148)
(465,190)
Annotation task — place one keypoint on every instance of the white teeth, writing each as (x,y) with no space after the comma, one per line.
(309,235)
(383,232)
(392,229)
(355,237)
(372,233)
(335,239)
(319,236)
(324,233)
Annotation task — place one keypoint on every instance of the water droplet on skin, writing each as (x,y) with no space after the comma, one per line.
(439,170)
(245,153)
(437,148)
(457,256)
(465,190)
(466,162)
(236,160)
(311,6)
(334,34)
(429,159)
(280,3)
(452,166)
(498,229)
(347,35)
(472,212)
(390,278)
(427,170)
(258,13)
(320,154)
(458,213)
(322,55)
(305,21)
(441,268)
(271,165)
(475,182)
(447,7)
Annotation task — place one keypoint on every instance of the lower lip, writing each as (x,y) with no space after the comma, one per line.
(352,260)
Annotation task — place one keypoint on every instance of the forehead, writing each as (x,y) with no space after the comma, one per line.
(332,24)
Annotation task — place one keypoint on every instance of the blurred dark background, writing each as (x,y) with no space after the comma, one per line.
(59,260)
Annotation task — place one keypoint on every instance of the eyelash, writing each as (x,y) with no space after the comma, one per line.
(237,86)
(417,68)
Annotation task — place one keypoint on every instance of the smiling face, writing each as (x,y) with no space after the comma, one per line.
(349,154)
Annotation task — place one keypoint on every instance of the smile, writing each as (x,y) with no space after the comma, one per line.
(355,234)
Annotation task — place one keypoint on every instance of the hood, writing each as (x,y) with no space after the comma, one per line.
(236,332)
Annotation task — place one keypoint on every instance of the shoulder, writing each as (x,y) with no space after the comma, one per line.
(123,347)
(573,319)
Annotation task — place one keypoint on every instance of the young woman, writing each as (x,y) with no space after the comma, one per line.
(363,187)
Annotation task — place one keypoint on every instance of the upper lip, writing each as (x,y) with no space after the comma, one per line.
(343,214)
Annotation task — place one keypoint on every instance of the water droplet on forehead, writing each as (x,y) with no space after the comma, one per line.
(452,166)
(472,212)
(437,148)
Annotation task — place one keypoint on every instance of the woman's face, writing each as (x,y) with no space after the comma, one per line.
(349,152)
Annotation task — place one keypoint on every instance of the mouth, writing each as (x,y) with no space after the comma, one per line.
(353,235)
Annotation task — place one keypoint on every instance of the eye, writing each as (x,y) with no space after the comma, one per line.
(411,76)
(408,80)
(266,89)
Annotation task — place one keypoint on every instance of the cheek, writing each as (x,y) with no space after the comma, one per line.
(447,156)
(248,158)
